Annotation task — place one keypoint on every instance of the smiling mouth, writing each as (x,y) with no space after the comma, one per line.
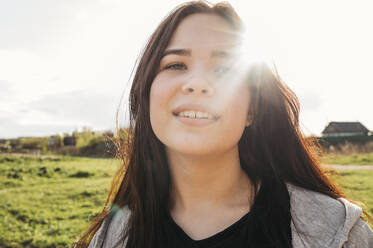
(196,115)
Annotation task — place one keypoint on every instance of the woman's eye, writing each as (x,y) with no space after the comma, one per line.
(176,66)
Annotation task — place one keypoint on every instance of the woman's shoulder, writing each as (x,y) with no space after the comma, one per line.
(111,229)
(324,221)
(307,202)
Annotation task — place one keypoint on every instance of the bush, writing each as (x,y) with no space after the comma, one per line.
(351,148)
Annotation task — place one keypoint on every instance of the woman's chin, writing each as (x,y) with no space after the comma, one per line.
(193,150)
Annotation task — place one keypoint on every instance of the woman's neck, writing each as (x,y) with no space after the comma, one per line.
(202,184)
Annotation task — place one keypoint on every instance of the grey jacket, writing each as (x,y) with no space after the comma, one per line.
(318,221)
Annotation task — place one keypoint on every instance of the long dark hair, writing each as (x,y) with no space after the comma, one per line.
(272,149)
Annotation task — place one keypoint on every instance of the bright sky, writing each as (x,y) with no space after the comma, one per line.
(64,64)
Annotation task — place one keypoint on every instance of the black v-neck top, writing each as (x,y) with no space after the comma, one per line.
(233,236)
(267,225)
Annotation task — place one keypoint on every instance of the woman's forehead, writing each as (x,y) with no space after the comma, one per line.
(203,31)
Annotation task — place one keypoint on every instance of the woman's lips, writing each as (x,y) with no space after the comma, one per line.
(195,108)
(183,113)
(196,122)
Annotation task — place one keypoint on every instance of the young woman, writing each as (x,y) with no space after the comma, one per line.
(214,155)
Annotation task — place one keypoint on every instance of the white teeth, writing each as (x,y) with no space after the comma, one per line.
(196,115)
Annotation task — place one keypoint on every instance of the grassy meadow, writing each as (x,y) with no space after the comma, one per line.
(348,159)
(48,201)
(358,186)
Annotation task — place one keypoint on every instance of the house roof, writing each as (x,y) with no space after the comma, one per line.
(345,127)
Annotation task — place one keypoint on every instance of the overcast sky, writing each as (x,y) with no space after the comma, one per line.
(65,63)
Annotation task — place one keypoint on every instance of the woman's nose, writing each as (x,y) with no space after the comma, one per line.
(199,85)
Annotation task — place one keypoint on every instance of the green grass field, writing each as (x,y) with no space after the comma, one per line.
(355,159)
(48,202)
(358,186)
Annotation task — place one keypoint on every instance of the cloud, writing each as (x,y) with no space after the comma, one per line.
(32,24)
(6,90)
(58,113)
(11,129)
(309,101)
(93,108)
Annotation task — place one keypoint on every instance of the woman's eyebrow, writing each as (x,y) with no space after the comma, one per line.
(188,52)
(183,52)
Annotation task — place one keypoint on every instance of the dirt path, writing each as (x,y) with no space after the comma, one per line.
(349,167)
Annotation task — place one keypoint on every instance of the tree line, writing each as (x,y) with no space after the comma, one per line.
(78,143)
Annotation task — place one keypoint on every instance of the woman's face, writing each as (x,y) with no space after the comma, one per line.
(198,100)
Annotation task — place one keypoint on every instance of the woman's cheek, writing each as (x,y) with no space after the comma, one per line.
(164,86)
(161,95)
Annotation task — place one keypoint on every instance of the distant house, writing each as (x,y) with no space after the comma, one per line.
(52,141)
(339,129)
(55,141)
(69,141)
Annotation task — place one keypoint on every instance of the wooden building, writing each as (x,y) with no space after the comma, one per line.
(340,129)
(69,141)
